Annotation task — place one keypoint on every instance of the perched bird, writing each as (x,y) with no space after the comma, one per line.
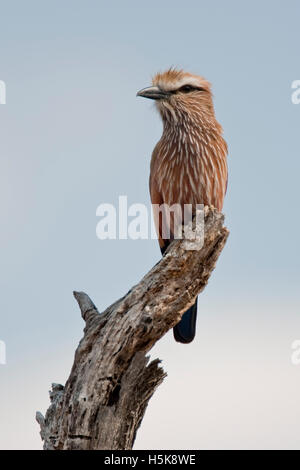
(189,163)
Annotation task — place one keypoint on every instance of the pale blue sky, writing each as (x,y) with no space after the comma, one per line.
(73,135)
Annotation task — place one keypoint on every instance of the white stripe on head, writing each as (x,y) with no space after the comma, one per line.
(170,85)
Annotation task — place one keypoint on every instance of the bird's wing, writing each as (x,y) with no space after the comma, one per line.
(157,200)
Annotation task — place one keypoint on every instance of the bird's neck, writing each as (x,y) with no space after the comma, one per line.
(195,132)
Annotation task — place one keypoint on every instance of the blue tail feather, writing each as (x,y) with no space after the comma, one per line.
(185,330)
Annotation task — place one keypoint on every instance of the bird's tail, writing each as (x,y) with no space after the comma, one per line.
(185,330)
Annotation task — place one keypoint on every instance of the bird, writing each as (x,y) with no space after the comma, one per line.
(189,162)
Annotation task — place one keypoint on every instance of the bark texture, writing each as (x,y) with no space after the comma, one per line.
(105,397)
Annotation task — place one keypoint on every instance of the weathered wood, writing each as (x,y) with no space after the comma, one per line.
(112,381)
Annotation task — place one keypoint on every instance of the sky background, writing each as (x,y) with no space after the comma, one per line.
(74,135)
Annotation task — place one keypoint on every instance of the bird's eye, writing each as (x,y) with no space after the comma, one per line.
(186,88)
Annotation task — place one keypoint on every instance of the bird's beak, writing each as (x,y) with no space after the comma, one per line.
(153,92)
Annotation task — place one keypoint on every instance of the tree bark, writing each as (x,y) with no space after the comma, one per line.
(111,382)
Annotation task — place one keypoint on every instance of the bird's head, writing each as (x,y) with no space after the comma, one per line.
(180,95)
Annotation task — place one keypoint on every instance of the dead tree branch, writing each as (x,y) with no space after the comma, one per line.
(111,382)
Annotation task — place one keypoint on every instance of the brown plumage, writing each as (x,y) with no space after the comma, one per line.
(188,164)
